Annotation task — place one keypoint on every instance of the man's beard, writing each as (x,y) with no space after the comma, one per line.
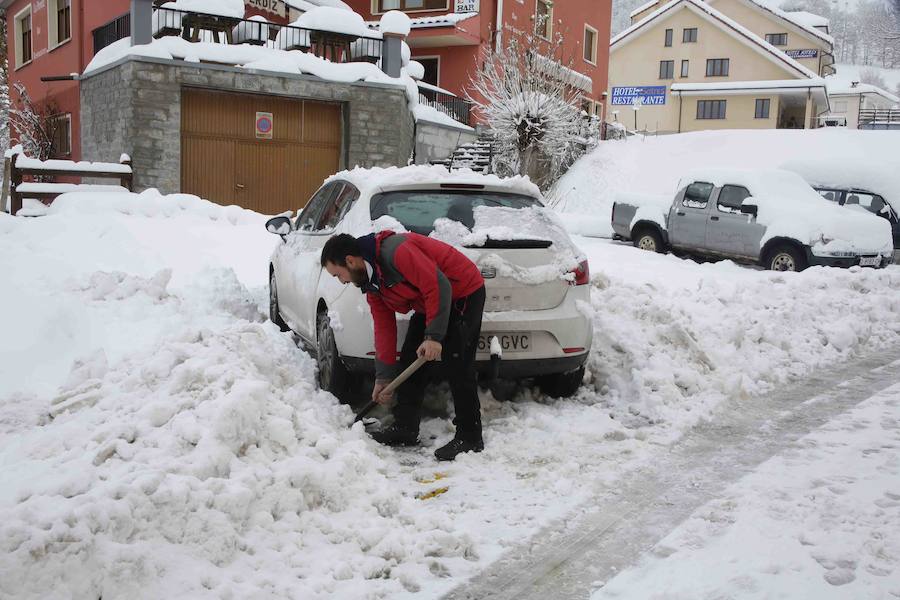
(359,277)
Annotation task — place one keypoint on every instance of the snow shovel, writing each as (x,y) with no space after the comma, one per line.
(391,387)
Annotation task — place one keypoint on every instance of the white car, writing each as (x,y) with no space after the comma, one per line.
(534,275)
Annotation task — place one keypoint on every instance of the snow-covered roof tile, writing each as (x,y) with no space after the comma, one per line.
(772,84)
(844,88)
(748,35)
(434,21)
(807,18)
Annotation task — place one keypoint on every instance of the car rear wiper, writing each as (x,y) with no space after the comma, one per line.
(512,244)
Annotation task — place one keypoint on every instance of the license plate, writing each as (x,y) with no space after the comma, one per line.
(869,261)
(509,342)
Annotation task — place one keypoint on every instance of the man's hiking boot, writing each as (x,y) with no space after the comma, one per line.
(458,446)
(395,435)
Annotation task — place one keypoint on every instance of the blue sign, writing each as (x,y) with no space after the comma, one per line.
(803,53)
(648,95)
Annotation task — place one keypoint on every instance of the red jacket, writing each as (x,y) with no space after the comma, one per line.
(413,272)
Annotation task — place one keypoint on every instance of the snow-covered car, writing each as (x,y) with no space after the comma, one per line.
(871,187)
(535,277)
(770,217)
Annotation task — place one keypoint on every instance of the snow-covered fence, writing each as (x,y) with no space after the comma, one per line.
(20,166)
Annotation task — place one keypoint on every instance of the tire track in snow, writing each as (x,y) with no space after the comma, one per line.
(603,537)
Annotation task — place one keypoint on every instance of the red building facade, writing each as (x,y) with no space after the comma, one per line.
(58,38)
(449,35)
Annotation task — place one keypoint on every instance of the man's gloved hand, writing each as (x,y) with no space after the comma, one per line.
(430,349)
(378,393)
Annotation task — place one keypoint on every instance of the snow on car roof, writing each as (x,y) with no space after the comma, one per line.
(867,175)
(373,180)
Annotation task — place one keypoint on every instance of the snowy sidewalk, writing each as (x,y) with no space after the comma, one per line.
(781,542)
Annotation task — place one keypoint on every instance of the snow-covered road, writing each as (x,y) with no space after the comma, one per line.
(191,454)
(723,551)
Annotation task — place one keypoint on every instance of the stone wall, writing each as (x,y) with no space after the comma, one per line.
(436,142)
(134,106)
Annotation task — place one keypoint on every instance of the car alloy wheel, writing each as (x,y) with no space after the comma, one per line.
(333,376)
(274,312)
(783,262)
(647,243)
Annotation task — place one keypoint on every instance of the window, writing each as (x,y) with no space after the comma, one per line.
(762,108)
(59,15)
(697,195)
(432,69)
(830,195)
(689,35)
(544,18)
(840,106)
(684,68)
(777,39)
(61,135)
(710,109)
(668,41)
(317,205)
(667,69)
(873,203)
(418,210)
(590,44)
(386,5)
(23,37)
(731,197)
(336,210)
(717,67)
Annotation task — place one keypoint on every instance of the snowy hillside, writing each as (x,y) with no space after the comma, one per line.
(160,439)
(653,165)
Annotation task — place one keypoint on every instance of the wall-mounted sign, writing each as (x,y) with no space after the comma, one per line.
(810,53)
(264,125)
(467,6)
(274,7)
(639,95)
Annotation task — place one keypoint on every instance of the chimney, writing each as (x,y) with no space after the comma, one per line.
(141,22)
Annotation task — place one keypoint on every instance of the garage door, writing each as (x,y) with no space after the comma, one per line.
(227,158)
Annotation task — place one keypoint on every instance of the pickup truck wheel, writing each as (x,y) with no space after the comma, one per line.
(274,312)
(785,258)
(648,239)
(333,375)
(562,385)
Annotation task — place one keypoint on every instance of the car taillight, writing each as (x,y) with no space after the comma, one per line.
(582,274)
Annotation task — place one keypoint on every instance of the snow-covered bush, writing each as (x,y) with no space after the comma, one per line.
(527,95)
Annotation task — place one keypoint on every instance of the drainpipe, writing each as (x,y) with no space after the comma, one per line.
(499,31)
(141,22)
(680,110)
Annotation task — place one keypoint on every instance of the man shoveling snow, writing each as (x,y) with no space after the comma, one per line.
(408,271)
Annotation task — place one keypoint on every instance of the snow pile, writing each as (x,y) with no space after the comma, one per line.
(432,114)
(337,20)
(789,207)
(254,29)
(24,162)
(395,22)
(654,165)
(190,452)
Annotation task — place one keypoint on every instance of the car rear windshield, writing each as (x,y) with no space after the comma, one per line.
(418,210)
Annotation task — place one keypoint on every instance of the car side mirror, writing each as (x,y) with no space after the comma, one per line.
(749,209)
(279,226)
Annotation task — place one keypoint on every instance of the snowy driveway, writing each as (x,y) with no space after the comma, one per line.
(193,456)
(820,516)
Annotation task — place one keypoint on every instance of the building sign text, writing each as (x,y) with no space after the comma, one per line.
(811,53)
(645,95)
(467,6)
(275,7)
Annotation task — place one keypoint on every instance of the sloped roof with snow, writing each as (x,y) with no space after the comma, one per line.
(748,36)
(785,16)
(807,18)
(642,8)
(446,20)
(846,89)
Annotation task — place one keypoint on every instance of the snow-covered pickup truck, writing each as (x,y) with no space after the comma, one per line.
(770,217)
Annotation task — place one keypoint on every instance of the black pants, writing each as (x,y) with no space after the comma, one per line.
(458,357)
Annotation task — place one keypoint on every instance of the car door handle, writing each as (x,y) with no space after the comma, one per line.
(679,213)
(714,218)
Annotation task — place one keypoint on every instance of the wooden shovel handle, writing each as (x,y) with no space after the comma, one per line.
(392,386)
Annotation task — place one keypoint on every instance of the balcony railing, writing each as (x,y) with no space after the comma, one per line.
(455,107)
(879,118)
(332,46)
(113,31)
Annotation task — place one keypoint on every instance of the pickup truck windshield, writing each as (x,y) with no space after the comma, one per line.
(418,210)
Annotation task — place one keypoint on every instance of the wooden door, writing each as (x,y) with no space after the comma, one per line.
(225,161)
